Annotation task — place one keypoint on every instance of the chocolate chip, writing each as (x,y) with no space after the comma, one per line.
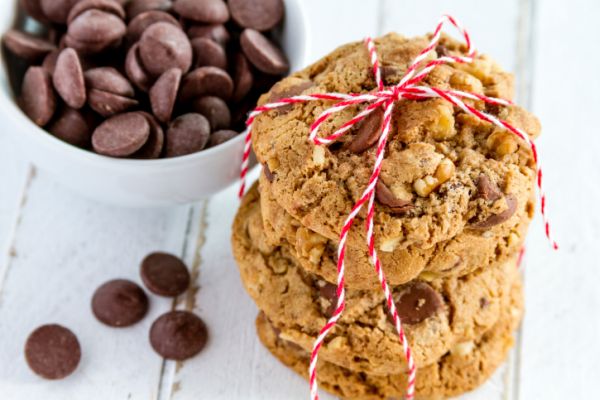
(37,96)
(209,52)
(164,46)
(121,135)
(26,46)
(68,79)
(386,197)
(329,292)
(416,302)
(486,189)
(242,77)
(187,134)
(154,146)
(367,132)
(261,15)
(499,218)
(52,351)
(263,53)
(178,335)
(278,92)
(72,127)
(215,110)
(220,137)
(206,11)
(207,81)
(34,9)
(216,32)
(135,70)
(268,174)
(93,31)
(441,50)
(109,6)
(57,10)
(388,73)
(137,7)
(164,94)
(483,302)
(119,303)
(108,79)
(165,275)
(140,23)
(108,104)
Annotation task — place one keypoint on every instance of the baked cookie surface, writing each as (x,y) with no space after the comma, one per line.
(464,253)
(438,314)
(444,171)
(464,368)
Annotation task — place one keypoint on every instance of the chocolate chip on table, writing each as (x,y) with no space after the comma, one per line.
(187,134)
(497,219)
(94,31)
(121,135)
(137,7)
(52,351)
(119,303)
(37,96)
(208,52)
(135,70)
(164,94)
(263,53)
(386,197)
(68,79)
(165,275)
(220,137)
(72,127)
(109,6)
(27,46)
(206,81)
(141,22)
(242,77)
(367,132)
(216,32)
(178,335)
(261,15)
(164,46)
(57,10)
(215,110)
(486,189)
(205,11)
(416,302)
(154,146)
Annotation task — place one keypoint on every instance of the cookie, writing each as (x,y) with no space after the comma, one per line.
(435,157)
(466,252)
(364,340)
(462,369)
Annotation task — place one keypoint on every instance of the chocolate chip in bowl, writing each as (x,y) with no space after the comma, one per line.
(90,61)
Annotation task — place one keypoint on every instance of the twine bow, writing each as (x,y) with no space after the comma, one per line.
(409,88)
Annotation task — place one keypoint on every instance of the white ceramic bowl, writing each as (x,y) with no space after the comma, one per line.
(137,183)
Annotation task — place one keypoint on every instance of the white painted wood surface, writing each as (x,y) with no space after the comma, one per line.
(56,247)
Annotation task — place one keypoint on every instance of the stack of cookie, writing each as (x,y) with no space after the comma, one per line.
(454,201)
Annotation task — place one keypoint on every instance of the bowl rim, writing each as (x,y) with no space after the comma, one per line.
(13,112)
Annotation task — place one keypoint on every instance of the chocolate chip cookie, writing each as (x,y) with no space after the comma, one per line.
(444,172)
(460,370)
(464,253)
(437,314)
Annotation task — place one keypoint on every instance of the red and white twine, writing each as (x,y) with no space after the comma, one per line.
(408,88)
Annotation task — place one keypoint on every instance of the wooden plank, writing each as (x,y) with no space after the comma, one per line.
(65,246)
(560,352)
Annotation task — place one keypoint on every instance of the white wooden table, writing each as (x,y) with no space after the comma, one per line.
(57,247)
